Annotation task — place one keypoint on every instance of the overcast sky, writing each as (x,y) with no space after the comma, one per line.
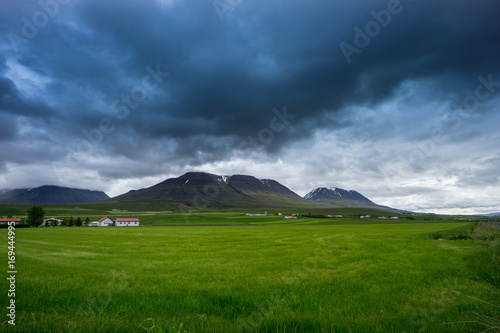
(398,100)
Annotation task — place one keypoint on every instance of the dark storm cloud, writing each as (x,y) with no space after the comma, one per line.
(227,76)
(12,101)
(8,127)
(236,72)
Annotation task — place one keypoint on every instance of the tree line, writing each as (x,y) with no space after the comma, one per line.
(36,214)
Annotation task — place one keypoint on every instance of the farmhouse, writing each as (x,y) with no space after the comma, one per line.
(290,217)
(104,222)
(5,221)
(127,222)
(365,216)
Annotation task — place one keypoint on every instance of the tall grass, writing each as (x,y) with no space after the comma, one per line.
(486,260)
(270,278)
(484,264)
(459,233)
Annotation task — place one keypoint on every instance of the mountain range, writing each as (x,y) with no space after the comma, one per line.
(338,196)
(197,190)
(49,195)
(492,214)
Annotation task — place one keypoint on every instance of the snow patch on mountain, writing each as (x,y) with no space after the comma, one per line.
(335,193)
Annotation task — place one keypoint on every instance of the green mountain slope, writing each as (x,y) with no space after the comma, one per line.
(198,190)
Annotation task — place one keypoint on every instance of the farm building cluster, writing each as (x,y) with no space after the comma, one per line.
(104,222)
(379,217)
(286,217)
(118,222)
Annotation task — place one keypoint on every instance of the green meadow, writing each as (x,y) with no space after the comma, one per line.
(260,275)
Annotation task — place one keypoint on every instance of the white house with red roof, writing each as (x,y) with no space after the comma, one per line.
(127,222)
(104,222)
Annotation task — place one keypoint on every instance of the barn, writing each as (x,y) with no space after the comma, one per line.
(127,222)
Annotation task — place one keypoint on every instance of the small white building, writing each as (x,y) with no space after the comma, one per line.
(394,218)
(50,222)
(127,222)
(290,217)
(365,216)
(104,222)
(257,214)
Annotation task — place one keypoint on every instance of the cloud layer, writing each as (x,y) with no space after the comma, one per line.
(396,99)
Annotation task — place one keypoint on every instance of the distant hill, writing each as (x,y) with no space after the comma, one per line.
(198,190)
(50,195)
(493,214)
(339,197)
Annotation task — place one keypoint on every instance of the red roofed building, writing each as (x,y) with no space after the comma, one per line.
(104,222)
(127,222)
(10,219)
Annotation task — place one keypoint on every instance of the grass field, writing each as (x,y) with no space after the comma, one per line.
(262,277)
(227,217)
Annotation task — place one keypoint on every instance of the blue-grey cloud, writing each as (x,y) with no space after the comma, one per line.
(65,65)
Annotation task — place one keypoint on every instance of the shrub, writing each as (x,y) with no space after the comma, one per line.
(457,234)
(487,232)
(486,261)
